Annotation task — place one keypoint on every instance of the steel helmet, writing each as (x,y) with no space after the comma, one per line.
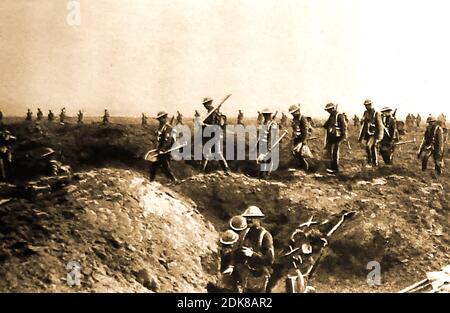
(330,106)
(294,108)
(367,102)
(431,119)
(228,237)
(161,114)
(238,223)
(207,100)
(386,109)
(266,111)
(253,211)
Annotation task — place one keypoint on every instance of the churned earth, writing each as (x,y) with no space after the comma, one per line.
(129,234)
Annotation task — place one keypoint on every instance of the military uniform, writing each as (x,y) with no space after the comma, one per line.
(39,115)
(372,132)
(214,119)
(387,144)
(165,139)
(265,143)
(300,133)
(5,152)
(29,117)
(106,117)
(432,145)
(230,280)
(62,116)
(50,116)
(144,120)
(336,130)
(80,117)
(240,118)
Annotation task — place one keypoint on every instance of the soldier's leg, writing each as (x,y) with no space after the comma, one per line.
(2,170)
(438,162)
(153,169)
(335,157)
(424,157)
(369,153)
(373,152)
(165,164)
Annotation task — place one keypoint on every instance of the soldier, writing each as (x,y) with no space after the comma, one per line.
(300,132)
(238,224)
(432,145)
(50,116)
(179,118)
(418,120)
(1,117)
(356,121)
(62,116)
(391,136)
(39,114)
(283,121)
(50,166)
(260,118)
(371,132)
(165,138)
(442,120)
(106,117)
(144,120)
(214,118)
(255,256)
(6,140)
(230,280)
(197,120)
(240,118)
(29,117)
(266,130)
(336,133)
(80,117)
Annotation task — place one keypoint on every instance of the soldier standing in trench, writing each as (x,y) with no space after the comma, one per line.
(432,145)
(255,256)
(371,132)
(165,139)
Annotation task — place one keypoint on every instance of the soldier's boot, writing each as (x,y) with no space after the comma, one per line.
(153,170)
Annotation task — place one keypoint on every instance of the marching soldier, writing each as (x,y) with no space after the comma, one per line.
(197,120)
(240,118)
(80,117)
(268,126)
(6,140)
(165,139)
(300,132)
(336,133)
(214,118)
(432,145)
(29,117)
(62,116)
(418,120)
(356,121)
(255,256)
(371,132)
(39,114)
(50,116)
(179,118)
(387,144)
(144,120)
(106,117)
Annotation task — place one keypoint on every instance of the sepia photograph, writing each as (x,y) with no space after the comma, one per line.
(234,147)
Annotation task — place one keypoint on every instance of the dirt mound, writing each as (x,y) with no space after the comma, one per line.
(126,233)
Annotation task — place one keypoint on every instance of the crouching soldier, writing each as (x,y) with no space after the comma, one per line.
(387,144)
(6,139)
(49,166)
(432,145)
(255,255)
(300,131)
(165,139)
(336,132)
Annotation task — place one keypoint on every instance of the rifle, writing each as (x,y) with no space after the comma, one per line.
(216,108)
(405,142)
(262,156)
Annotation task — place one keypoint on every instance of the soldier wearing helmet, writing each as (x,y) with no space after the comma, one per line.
(300,133)
(106,117)
(165,138)
(432,145)
(371,132)
(266,132)
(230,279)
(6,141)
(214,119)
(387,145)
(336,133)
(256,254)
(240,118)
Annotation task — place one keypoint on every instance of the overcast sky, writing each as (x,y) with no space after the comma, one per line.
(145,55)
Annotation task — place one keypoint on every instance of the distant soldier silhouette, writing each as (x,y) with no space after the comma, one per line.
(418,120)
(432,145)
(240,118)
(29,117)
(356,121)
(260,118)
(6,140)
(39,114)
(106,117)
(442,120)
(371,132)
(80,117)
(144,119)
(50,116)
(179,118)
(283,120)
(62,116)
(197,120)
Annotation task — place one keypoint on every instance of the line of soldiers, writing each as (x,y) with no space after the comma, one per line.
(247,253)
(413,121)
(378,131)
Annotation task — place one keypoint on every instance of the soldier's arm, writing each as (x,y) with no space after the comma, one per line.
(343,125)
(267,257)
(379,125)
(304,129)
(439,140)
